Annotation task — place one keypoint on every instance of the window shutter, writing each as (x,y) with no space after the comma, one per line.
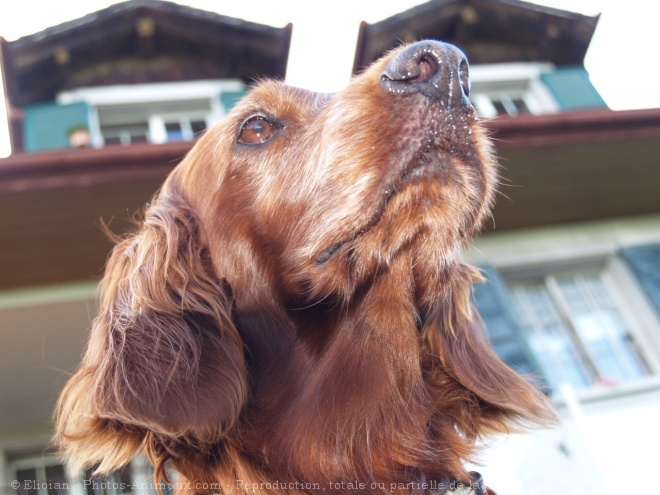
(572,88)
(47,126)
(230,98)
(644,261)
(507,339)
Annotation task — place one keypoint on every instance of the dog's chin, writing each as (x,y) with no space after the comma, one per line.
(418,189)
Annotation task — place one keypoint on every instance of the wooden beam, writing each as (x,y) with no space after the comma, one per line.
(25,172)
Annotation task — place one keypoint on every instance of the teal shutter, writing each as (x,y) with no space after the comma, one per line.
(644,261)
(230,98)
(47,126)
(572,88)
(508,341)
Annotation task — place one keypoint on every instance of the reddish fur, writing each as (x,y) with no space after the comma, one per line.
(230,342)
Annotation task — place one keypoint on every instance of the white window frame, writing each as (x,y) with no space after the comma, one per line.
(141,476)
(639,318)
(156,93)
(158,131)
(507,82)
(39,464)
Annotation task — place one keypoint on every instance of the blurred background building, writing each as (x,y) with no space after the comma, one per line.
(103,107)
(100,109)
(573,250)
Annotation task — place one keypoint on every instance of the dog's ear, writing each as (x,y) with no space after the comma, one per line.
(164,360)
(500,399)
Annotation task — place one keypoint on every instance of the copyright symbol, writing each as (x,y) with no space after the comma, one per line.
(15,485)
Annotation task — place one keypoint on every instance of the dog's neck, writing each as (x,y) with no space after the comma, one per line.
(381,399)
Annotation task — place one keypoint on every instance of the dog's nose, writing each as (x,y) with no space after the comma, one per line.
(435,69)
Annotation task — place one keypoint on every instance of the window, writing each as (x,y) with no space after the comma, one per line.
(40,476)
(577,328)
(117,483)
(153,122)
(505,105)
(135,132)
(154,113)
(511,89)
(182,126)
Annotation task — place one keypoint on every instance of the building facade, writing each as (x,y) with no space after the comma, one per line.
(101,109)
(572,254)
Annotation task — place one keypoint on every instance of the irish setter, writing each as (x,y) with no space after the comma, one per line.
(292,316)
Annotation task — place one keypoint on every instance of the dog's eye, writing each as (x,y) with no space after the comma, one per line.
(256,130)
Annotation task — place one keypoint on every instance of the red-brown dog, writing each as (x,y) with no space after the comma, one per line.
(291,316)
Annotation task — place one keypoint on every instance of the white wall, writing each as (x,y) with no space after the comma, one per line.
(608,440)
(606,446)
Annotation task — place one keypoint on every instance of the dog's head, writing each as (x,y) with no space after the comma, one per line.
(294,296)
(336,185)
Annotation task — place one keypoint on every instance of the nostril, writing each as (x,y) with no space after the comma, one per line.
(411,69)
(464,76)
(430,68)
(427,68)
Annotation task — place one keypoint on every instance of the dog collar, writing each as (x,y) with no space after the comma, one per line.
(476,486)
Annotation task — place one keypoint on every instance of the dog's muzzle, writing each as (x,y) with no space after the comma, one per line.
(437,70)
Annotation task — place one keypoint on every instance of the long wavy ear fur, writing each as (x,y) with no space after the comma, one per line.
(164,356)
(496,399)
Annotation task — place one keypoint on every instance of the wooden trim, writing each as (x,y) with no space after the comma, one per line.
(14,113)
(25,172)
(576,127)
(364,41)
(86,167)
(286,46)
